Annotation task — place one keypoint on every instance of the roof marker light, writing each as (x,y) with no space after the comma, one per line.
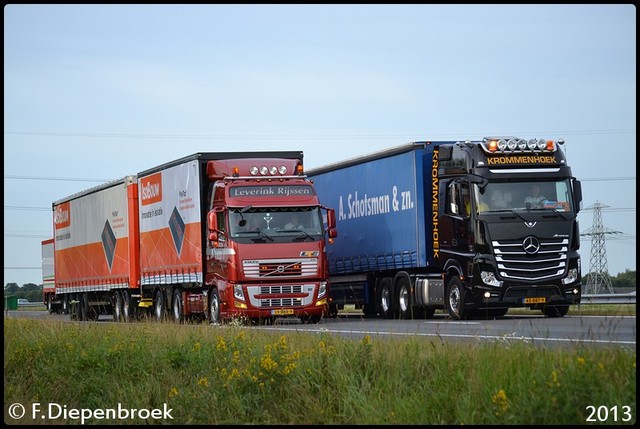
(493,145)
(253,170)
(236,172)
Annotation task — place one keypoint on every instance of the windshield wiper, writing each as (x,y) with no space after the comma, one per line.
(295,230)
(259,232)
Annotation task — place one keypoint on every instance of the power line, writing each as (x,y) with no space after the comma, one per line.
(65,179)
(434,136)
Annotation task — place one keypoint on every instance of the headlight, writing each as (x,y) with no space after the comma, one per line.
(488,277)
(237,292)
(572,276)
(322,291)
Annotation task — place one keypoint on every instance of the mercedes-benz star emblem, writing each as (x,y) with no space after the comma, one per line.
(531,245)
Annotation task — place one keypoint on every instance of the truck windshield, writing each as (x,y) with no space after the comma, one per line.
(276,222)
(532,195)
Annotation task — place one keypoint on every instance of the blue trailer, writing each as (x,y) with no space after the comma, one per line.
(416,233)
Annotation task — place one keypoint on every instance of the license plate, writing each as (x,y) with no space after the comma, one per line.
(541,300)
(282,312)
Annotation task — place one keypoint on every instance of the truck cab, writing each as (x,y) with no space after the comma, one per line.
(266,253)
(508,226)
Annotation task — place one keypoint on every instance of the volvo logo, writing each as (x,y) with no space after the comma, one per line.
(280,269)
(531,245)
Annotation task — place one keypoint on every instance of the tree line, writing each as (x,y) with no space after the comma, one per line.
(622,282)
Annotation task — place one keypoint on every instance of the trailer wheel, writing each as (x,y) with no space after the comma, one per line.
(128,311)
(159,305)
(117,306)
(83,307)
(214,307)
(49,304)
(65,304)
(178,315)
(385,299)
(403,286)
(455,299)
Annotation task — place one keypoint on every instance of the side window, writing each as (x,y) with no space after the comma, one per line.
(458,199)
(222,225)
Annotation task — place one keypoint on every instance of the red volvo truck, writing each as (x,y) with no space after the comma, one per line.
(207,236)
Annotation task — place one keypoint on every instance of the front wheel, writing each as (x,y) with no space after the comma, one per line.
(214,307)
(455,299)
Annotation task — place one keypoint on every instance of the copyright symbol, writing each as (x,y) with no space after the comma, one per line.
(16,411)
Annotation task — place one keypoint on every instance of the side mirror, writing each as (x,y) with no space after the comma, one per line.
(577,195)
(212,224)
(331,218)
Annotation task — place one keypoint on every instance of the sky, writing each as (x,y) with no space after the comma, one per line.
(93,93)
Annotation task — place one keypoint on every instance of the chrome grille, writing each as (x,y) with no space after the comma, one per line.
(514,263)
(280,268)
(275,296)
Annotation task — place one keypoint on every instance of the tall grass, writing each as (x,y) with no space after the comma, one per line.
(237,375)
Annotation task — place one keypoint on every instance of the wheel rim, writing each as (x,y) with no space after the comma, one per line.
(177,304)
(214,307)
(403,299)
(117,311)
(454,299)
(158,306)
(384,299)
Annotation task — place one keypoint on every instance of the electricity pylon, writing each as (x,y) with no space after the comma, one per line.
(598,280)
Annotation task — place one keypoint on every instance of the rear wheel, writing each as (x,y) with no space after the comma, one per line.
(385,306)
(403,286)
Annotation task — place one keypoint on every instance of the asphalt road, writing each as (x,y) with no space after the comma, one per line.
(535,329)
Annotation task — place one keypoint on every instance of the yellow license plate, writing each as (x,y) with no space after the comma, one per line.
(541,300)
(282,312)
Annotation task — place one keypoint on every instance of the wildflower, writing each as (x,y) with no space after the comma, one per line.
(581,361)
(196,347)
(173,392)
(501,401)
(222,345)
(203,382)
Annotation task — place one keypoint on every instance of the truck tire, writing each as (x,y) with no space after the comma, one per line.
(83,307)
(385,299)
(214,307)
(555,310)
(117,306)
(403,286)
(176,305)
(455,299)
(159,305)
(128,311)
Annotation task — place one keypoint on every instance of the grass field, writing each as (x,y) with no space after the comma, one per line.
(231,374)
